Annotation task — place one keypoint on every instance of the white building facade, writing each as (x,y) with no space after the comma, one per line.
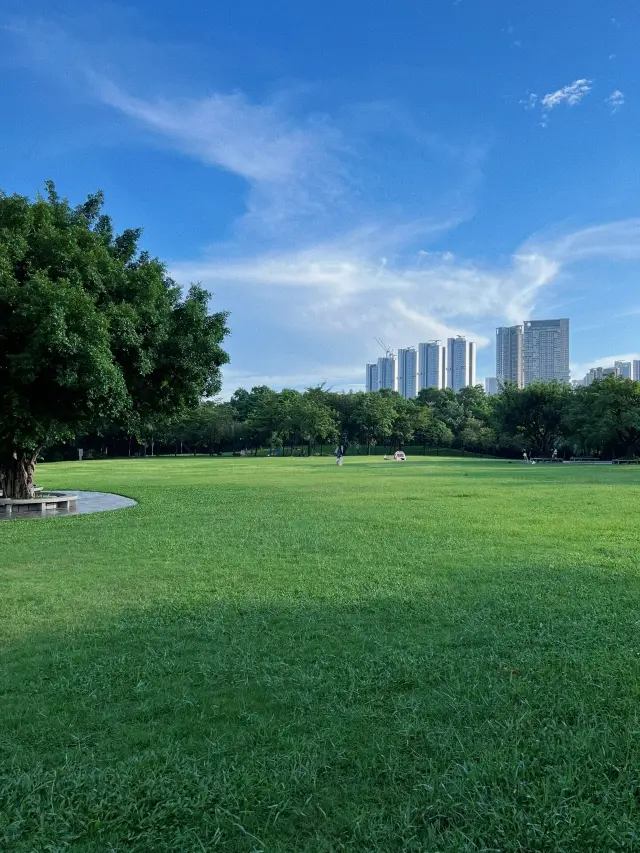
(432,365)
(408,373)
(387,373)
(461,363)
(546,351)
(491,385)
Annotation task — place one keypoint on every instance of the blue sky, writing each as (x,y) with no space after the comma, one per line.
(338,171)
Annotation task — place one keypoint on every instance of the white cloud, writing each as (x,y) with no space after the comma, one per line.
(616,101)
(423,326)
(342,273)
(615,240)
(571,95)
(531,101)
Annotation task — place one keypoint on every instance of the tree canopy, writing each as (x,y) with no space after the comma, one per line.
(92,331)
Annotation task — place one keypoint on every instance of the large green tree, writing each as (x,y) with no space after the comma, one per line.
(605,417)
(532,417)
(91,331)
(314,420)
(373,417)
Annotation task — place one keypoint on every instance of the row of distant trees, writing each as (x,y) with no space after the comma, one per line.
(600,420)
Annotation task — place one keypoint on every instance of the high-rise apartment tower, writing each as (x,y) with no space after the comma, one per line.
(372,377)
(509,355)
(408,372)
(461,363)
(387,373)
(546,351)
(432,365)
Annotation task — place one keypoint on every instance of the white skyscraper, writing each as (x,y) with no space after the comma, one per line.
(432,365)
(461,363)
(509,354)
(635,371)
(491,385)
(372,377)
(387,373)
(408,372)
(625,369)
(546,351)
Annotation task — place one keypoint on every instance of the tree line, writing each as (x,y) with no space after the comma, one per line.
(602,420)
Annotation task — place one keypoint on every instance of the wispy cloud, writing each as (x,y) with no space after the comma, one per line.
(438,285)
(619,241)
(571,95)
(291,167)
(616,101)
(255,141)
(441,289)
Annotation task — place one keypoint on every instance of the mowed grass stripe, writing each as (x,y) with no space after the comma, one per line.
(281,655)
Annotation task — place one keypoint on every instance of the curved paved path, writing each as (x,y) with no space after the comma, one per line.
(87,502)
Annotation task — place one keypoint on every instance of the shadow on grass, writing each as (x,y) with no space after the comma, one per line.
(488,723)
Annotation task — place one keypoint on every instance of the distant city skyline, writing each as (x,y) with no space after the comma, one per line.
(431,365)
(536,350)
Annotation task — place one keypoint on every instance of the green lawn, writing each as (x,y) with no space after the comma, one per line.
(283,656)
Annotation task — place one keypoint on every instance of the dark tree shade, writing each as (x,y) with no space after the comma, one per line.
(91,330)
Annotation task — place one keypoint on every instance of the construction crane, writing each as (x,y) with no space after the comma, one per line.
(387,350)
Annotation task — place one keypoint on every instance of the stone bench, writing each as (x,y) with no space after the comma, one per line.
(37,490)
(42,503)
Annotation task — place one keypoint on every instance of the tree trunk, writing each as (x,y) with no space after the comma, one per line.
(16,476)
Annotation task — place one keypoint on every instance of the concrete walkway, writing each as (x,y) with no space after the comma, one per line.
(87,502)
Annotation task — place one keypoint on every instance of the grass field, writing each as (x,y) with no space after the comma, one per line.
(283,656)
